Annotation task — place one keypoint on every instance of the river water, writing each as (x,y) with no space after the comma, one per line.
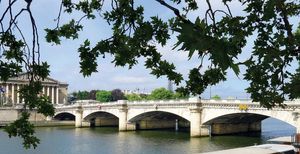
(69,140)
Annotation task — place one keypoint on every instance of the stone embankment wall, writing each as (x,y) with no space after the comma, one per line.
(8,115)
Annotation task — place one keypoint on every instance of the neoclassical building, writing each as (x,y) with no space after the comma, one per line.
(55,90)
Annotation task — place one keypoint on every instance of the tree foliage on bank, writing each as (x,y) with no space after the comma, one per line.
(218,35)
(100,95)
(81,95)
(103,96)
(92,94)
(216,97)
(160,94)
(133,97)
(117,94)
(156,94)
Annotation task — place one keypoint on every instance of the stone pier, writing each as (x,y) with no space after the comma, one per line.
(124,125)
(197,129)
(78,118)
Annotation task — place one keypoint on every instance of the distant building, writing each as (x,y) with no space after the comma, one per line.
(137,91)
(57,91)
(170,85)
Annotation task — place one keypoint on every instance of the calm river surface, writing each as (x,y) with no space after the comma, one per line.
(66,140)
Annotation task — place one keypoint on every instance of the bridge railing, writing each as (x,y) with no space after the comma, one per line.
(131,102)
(158,101)
(203,102)
(248,104)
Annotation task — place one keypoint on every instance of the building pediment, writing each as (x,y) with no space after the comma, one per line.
(50,80)
(24,78)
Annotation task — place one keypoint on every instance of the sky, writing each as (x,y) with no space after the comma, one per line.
(64,58)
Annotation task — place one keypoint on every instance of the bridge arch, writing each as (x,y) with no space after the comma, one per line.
(250,116)
(237,118)
(230,121)
(159,120)
(183,113)
(156,113)
(101,119)
(99,114)
(64,115)
(88,113)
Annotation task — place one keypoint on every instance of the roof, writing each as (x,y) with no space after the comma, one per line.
(23,77)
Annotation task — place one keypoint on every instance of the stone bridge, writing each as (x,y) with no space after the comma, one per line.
(202,117)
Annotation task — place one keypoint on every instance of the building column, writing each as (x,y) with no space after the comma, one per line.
(48,91)
(196,127)
(57,95)
(18,94)
(43,90)
(52,95)
(13,93)
(6,90)
(22,100)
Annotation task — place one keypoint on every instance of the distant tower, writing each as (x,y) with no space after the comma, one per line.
(170,86)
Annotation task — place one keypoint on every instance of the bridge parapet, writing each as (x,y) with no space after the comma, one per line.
(93,103)
(188,103)
(290,105)
(164,104)
(158,101)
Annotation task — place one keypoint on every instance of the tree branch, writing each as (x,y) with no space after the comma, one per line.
(175,10)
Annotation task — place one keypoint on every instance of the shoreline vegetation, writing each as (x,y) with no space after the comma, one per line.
(117,94)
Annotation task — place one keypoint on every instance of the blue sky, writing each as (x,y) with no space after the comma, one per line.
(64,58)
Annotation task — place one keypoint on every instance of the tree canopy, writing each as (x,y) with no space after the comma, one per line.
(81,95)
(133,97)
(117,94)
(216,37)
(160,94)
(156,94)
(216,97)
(103,96)
(92,94)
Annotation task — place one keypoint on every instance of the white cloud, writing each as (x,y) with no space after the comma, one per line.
(130,79)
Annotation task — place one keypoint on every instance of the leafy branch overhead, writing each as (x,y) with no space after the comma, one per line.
(219,37)
(18,54)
